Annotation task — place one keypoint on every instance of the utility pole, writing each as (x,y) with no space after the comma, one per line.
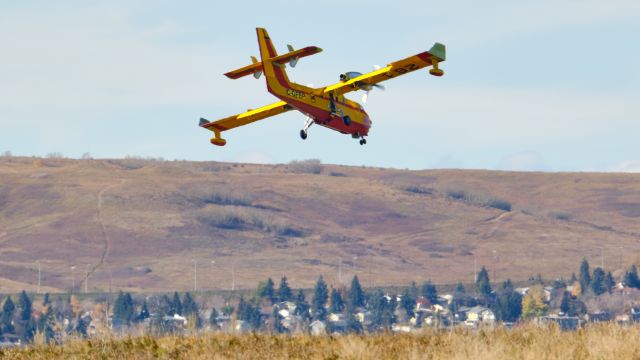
(86,278)
(213,262)
(195,275)
(73,280)
(233,276)
(39,272)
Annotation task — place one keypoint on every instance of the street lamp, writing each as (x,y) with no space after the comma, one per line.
(213,262)
(195,275)
(39,272)
(86,278)
(73,280)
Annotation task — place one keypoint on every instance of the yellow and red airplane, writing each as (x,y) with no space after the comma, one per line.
(326,106)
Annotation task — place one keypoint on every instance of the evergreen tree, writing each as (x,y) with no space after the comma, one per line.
(29,329)
(631,278)
(564,305)
(189,306)
(609,282)
(429,292)
(598,284)
(176,305)
(266,290)
(585,275)
(382,310)
(46,301)
(353,325)
(508,305)
(81,328)
(144,311)
(337,304)
(123,308)
(482,283)
(164,306)
(190,309)
(25,307)
(320,297)
(46,322)
(408,302)
(6,320)
(213,317)
(302,307)
(413,290)
(460,288)
(244,311)
(278,328)
(284,291)
(507,285)
(573,278)
(356,295)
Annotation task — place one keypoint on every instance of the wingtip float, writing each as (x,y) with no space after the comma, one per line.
(326,106)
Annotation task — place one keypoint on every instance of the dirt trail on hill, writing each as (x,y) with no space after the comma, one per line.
(103,230)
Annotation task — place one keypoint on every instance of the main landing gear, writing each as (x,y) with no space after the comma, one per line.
(358,136)
(307,125)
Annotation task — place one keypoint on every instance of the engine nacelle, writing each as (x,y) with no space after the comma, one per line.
(349,75)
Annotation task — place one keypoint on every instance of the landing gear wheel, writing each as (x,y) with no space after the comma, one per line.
(363,141)
(303,134)
(346,120)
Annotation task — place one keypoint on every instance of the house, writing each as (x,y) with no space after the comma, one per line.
(318,328)
(598,316)
(9,341)
(401,328)
(365,317)
(337,322)
(522,290)
(480,315)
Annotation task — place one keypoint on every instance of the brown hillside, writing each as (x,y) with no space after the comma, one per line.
(139,224)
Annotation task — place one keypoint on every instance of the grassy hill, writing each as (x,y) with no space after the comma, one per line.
(140,224)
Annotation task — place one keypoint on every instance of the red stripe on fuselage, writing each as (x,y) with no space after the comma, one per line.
(425,56)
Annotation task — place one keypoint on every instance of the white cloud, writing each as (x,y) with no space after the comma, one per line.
(626,166)
(523,161)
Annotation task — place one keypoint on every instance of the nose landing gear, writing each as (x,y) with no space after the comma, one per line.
(363,141)
(307,124)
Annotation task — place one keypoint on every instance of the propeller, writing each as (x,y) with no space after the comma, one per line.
(365,96)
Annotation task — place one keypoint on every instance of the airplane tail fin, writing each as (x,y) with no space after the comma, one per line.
(274,71)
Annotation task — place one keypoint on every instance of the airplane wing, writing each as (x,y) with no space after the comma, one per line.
(397,68)
(242,119)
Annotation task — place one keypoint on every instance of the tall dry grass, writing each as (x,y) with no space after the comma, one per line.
(606,341)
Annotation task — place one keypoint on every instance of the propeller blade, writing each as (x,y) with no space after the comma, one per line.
(381,87)
(376,67)
(365,96)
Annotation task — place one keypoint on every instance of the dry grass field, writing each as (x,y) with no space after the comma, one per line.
(608,341)
(138,225)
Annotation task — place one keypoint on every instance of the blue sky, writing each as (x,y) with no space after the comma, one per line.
(529,85)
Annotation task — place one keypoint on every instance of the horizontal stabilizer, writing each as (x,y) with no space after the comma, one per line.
(203,122)
(290,57)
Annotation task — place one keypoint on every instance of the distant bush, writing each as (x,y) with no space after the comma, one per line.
(338,174)
(238,218)
(209,196)
(466,196)
(419,190)
(310,166)
(499,204)
(560,215)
